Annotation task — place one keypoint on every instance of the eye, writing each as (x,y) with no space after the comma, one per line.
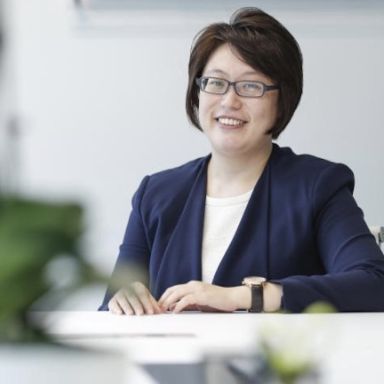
(215,83)
(251,87)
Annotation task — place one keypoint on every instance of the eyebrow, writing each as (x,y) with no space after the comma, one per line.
(219,71)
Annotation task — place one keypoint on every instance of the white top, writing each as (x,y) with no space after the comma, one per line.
(222,217)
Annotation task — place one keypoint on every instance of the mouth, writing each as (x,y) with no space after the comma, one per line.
(230,121)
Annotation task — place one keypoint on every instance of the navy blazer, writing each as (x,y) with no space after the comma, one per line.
(301,228)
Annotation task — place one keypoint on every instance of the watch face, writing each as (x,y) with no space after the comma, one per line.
(254,280)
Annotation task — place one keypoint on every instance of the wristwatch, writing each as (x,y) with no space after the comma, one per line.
(256,284)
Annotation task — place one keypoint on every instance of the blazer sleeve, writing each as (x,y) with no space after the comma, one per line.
(354,263)
(133,258)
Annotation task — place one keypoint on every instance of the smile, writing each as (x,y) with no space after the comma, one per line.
(230,121)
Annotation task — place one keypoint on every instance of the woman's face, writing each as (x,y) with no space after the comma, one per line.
(236,125)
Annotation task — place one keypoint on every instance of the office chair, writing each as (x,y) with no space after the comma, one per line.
(378,232)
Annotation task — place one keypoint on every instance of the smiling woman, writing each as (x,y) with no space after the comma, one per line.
(251,226)
(237,124)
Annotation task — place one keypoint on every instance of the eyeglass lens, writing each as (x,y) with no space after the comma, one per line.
(243,88)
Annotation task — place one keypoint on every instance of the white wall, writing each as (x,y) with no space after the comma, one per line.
(90,133)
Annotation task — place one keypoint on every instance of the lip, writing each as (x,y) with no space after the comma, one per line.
(229,117)
(230,126)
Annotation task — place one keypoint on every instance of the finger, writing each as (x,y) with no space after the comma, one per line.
(163,297)
(172,299)
(142,295)
(177,294)
(136,305)
(185,303)
(155,305)
(148,302)
(187,287)
(168,292)
(114,307)
(123,302)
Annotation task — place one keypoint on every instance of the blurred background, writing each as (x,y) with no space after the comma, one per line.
(75,123)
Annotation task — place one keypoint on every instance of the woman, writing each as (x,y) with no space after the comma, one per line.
(251,226)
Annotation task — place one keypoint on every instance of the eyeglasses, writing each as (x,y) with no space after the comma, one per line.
(245,88)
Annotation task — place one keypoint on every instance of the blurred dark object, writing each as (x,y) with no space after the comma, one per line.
(255,369)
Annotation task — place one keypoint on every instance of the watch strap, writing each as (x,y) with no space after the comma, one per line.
(257,304)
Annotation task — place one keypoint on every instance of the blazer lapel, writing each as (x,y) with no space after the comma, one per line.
(181,261)
(248,253)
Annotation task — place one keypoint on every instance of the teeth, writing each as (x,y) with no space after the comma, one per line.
(228,121)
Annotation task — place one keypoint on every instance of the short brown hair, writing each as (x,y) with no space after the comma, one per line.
(265,45)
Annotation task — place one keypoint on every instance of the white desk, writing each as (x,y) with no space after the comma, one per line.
(350,346)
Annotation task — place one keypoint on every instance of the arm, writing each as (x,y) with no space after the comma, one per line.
(208,297)
(354,263)
(132,262)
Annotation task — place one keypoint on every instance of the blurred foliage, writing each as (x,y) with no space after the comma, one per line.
(281,367)
(289,351)
(320,307)
(32,235)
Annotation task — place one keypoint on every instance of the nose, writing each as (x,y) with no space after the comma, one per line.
(231,99)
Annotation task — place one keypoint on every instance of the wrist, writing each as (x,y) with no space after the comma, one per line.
(242,297)
(273,294)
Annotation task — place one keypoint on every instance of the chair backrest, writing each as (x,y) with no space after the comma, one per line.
(378,232)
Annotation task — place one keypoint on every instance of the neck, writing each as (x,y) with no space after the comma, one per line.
(231,176)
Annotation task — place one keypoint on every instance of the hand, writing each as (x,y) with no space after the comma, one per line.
(134,301)
(201,296)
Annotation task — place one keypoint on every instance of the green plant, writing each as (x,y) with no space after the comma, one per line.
(289,350)
(33,234)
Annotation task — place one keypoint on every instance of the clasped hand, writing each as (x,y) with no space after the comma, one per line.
(194,295)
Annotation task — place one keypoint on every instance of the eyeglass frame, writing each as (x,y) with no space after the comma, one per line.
(266,88)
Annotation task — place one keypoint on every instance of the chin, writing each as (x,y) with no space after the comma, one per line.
(230,150)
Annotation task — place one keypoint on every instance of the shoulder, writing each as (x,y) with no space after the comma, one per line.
(170,186)
(309,169)
(179,176)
